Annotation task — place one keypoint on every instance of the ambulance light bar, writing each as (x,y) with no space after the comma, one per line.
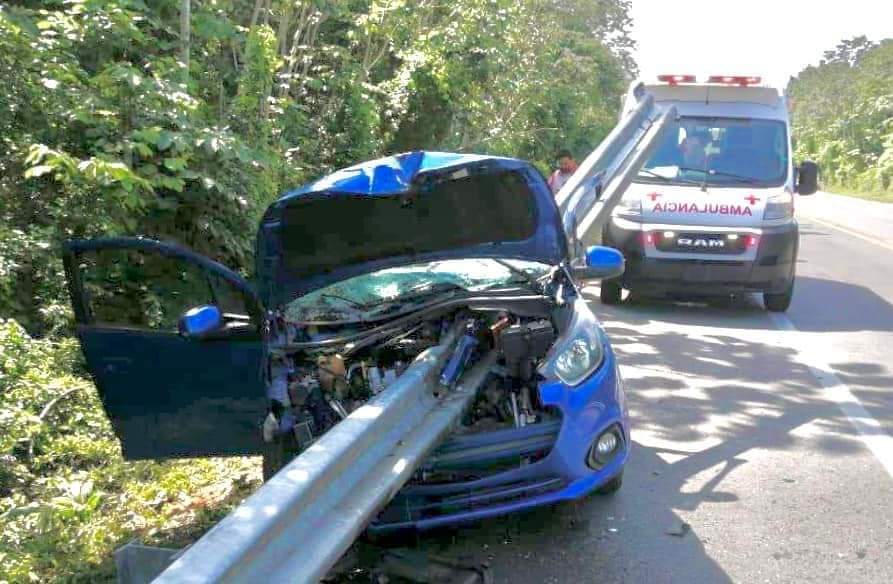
(675,79)
(741,80)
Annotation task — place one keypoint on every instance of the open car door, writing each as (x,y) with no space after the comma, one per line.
(169,394)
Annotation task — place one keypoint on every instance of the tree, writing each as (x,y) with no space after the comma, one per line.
(843,115)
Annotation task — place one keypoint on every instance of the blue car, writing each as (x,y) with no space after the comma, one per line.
(356,275)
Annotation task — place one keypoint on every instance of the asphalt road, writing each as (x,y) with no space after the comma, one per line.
(762,449)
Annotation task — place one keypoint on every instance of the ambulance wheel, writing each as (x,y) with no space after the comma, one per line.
(779,302)
(610,292)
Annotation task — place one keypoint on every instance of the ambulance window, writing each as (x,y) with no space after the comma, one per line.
(729,151)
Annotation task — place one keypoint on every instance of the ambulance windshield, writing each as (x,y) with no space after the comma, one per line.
(724,152)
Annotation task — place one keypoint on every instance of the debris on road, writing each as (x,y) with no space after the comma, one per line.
(423,568)
(680,531)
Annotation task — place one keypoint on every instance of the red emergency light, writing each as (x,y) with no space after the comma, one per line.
(676,79)
(742,80)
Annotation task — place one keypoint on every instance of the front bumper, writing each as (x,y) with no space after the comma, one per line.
(771,269)
(560,474)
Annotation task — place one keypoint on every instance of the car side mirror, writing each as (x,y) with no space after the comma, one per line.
(601,263)
(200,321)
(807,178)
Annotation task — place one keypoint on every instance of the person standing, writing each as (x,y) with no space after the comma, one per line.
(566,167)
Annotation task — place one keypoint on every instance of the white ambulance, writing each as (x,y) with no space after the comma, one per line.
(712,211)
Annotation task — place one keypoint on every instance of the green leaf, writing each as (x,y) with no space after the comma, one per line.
(175,164)
(165,140)
(36,171)
(36,153)
(142,149)
(172,183)
(150,135)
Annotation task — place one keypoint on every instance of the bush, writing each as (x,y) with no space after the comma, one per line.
(67,498)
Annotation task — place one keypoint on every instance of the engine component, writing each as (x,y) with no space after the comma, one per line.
(303,430)
(332,375)
(376,380)
(523,344)
(338,407)
(270,427)
(460,357)
(516,416)
(278,386)
(527,407)
(301,384)
(497,327)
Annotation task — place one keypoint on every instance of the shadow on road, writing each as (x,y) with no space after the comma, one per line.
(835,306)
(708,386)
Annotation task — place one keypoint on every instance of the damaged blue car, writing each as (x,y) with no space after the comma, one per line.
(356,275)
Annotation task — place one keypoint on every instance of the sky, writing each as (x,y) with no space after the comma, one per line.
(772,38)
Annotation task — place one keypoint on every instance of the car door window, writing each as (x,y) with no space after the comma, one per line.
(133,288)
(231,301)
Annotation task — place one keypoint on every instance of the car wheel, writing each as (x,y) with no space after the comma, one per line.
(612,486)
(610,292)
(779,302)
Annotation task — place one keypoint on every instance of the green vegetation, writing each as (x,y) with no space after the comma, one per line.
(183,120)
(67,499)
(843,117)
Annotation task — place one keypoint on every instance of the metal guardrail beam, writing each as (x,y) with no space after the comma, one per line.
(604,159)
(591,193)
(598,214)
(299,523)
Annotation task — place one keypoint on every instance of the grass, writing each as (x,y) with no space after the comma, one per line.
(869,195)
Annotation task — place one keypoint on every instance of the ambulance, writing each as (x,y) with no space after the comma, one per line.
(711,213)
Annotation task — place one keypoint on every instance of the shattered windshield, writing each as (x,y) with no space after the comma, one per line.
(366,295)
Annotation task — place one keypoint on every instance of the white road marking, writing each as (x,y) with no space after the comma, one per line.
(850,232)
(870,431)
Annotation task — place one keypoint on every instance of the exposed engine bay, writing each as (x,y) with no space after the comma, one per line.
(320,372)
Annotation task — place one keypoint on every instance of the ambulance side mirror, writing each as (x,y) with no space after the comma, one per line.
(807,177)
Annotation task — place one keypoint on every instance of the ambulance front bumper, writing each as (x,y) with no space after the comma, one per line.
(767,268)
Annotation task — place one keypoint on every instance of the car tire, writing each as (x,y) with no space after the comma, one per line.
(610,292)
(779,302)
(612,486)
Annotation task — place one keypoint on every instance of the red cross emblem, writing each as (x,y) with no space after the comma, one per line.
(752,199)
(653,196)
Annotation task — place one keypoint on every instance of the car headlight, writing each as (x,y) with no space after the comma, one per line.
(580,351)
(779,207)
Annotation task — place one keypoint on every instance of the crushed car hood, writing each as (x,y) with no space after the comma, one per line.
(403,209)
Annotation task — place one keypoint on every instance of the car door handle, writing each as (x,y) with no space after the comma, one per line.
(116,364)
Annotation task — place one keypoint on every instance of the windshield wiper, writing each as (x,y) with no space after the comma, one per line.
(712,172)
(667,179)
(415,294)
(651,173)
(532,282)
(353,303)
